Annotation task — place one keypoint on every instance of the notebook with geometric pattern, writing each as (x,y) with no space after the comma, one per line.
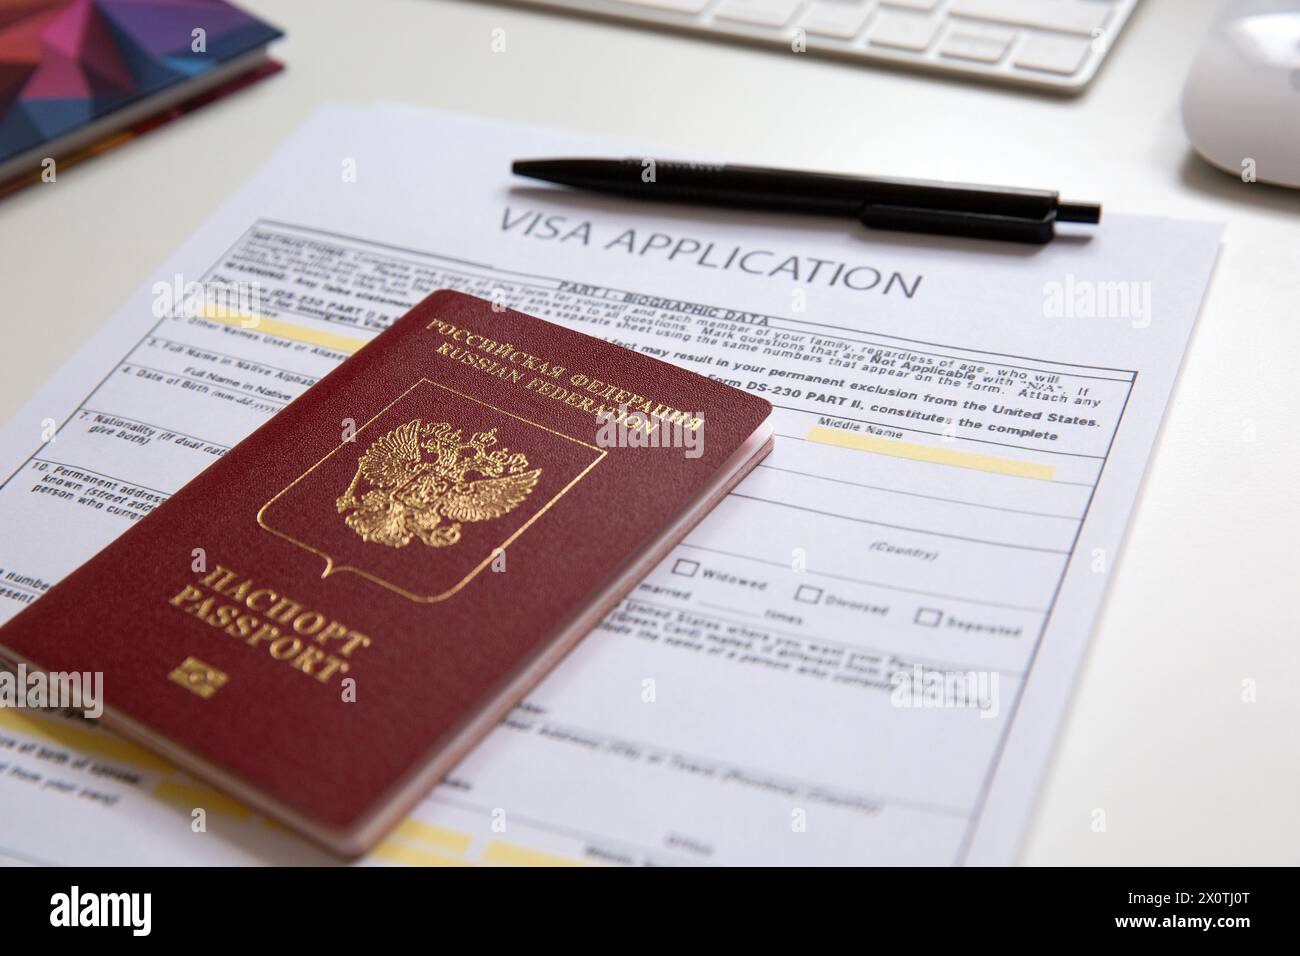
(75,71)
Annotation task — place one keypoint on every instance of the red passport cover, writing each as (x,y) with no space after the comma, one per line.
(384,557)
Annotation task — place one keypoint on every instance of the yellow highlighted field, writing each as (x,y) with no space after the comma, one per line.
(418,832)
(939,456)
(284,330)
(507,854)
(392,852)
(64,732)
(193,795)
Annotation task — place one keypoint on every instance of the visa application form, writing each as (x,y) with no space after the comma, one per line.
(862,656)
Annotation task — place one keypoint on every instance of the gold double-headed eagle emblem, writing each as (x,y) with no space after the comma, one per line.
(422,480)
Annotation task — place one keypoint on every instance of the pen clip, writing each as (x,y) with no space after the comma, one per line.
(950,222)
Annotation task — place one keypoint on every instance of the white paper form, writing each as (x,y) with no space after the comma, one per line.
(963,427)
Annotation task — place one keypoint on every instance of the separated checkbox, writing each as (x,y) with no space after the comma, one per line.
(929,617)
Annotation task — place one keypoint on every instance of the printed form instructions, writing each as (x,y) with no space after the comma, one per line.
(769,693)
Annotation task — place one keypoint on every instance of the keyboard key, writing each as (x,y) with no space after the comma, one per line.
(972,43)
(924,6)
(674,6)
(1064,55)
(1067,16)
(834,19)
(763,13)
(905,31)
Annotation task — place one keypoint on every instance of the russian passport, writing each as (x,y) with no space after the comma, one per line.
(328,618)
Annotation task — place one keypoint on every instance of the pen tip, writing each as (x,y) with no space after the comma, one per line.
(534,168)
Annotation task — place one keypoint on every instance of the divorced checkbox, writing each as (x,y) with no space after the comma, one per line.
(808,594)
(686,568)
(929,617)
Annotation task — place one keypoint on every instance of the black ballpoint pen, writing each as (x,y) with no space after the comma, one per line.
(910,205)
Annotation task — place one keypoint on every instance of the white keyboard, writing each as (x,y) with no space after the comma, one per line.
(1052,44)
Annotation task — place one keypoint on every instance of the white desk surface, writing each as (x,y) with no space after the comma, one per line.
(1207,592)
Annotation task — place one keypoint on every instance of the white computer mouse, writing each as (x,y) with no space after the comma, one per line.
(1241,105)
